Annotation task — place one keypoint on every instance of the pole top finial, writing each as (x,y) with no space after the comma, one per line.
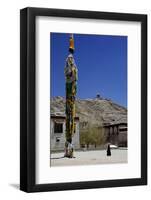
(71,44)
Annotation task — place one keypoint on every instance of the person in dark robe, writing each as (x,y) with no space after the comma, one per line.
(108,150)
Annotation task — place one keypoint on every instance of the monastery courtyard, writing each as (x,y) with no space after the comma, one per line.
(90,157)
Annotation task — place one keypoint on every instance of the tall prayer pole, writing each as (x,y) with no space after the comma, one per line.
(71,90)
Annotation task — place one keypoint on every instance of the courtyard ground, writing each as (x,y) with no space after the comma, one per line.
(90,157)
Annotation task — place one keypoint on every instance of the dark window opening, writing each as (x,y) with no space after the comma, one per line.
(57,139)
(58,128)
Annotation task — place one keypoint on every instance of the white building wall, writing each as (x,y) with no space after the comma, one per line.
(59,145)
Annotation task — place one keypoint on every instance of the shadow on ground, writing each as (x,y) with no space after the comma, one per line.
(15,185)
(57,157)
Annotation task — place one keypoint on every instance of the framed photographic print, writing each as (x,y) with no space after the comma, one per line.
(83,99)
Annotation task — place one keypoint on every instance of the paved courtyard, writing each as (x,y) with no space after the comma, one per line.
(89,157)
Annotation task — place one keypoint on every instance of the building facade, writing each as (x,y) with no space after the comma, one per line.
(57,132)
(116,134)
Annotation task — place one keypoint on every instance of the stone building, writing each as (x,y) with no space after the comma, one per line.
(116,133)
(57,132)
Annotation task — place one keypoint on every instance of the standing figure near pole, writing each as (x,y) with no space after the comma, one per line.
(71,90)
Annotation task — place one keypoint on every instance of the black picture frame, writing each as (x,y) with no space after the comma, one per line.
(28,99)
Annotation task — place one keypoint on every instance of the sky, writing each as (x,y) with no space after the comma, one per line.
(101,61)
